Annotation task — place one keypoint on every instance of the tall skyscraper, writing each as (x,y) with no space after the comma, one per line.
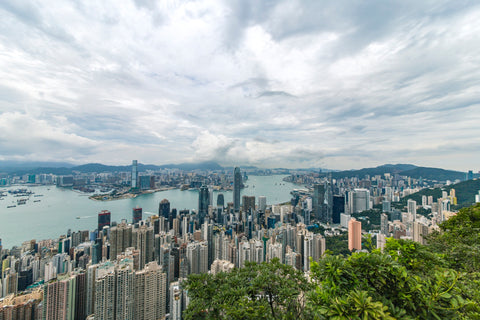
(237,184)
(136,215)
(220,201)
(318,201)
(338,208)
(248,203)
(262,203)
(103,219)
(164,208)
(203,202)
(358,200)
(354,235)
(412,208)
(134,174)
(120,239)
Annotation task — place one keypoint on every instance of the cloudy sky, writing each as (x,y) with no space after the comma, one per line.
(335,84)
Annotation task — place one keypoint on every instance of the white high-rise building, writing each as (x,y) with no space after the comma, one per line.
(412,208)
(262,203)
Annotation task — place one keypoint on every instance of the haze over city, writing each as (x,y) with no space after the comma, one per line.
(268,83)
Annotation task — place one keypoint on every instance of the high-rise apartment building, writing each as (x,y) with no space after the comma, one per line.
(150,292)
(354,235)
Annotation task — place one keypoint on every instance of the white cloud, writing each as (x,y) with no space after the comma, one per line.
(283,83)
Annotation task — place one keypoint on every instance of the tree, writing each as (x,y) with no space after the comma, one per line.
(257,291)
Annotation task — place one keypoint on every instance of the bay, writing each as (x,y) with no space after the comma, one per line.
(58,208)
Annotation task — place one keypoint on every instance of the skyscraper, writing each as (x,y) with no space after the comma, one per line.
(137,215)
(164,208)
(262,203)
(203,202)
(237,184)
(220,200)
(318,201)
(248,203)
(103,219)
(134,174)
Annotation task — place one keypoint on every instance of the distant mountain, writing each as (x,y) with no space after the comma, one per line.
(11,166)
(380,170)
(98,167)
(433,174)
(465,192)
(408,170)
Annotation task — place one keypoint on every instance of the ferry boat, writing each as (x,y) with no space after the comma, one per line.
(12,206)
(21,201)
(37,200)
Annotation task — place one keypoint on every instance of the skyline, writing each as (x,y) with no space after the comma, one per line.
(268,84)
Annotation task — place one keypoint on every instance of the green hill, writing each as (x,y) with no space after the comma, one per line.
(465,192)
(433,174)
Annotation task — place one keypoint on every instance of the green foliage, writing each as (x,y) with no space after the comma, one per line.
(459,240)
(337,245)
(257,291)
(370,219)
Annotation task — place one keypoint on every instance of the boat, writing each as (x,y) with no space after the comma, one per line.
(13,206)
(22,201)
(78,217)
(38,195)
(37,200)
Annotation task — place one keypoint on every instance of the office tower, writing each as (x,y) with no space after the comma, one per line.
(262,203)
(134,174)
(384,224)
(120,239)
(359,200)
(412,208)
(328,203)
(142,239)
(338,208)
(103,219)
(237,185)
(220,200)
(354,235)
(59,299)
(137,215)
(424,201)
(164,208)
(203,202)
(150,293)
(248,203)
(386,206)
(318,201)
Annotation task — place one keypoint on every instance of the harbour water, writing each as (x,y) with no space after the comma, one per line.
(58,208)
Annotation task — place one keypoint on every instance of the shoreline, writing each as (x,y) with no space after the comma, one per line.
(128,195)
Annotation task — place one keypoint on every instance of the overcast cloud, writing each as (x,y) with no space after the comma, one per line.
(336,84)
